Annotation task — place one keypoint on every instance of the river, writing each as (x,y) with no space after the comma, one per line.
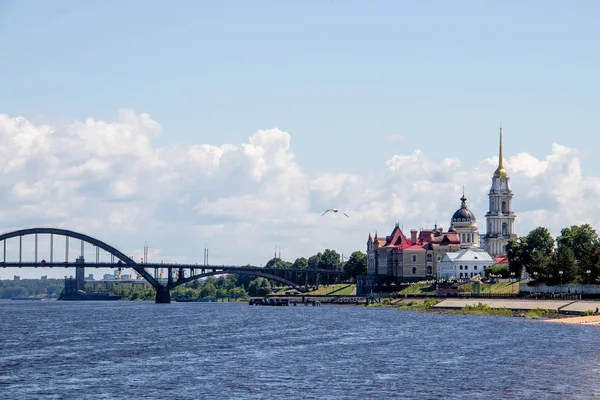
(142,350)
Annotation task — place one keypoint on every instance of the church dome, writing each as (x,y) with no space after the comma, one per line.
(463,214)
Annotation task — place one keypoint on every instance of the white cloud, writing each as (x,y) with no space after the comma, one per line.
(108,179)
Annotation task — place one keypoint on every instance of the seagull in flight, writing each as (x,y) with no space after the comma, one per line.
(335,210)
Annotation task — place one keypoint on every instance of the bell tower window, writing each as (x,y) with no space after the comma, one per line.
(504,208)
(504,229)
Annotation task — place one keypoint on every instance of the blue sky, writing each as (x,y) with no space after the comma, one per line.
(354,83)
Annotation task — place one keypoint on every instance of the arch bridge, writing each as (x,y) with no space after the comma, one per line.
(177,274)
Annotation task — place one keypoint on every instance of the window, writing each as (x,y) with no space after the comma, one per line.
(414,258)
(439,259)
(504,229)
(461,275)
(429,257)
(461,268)
(471,274)
(466,267)
(414,270)
(429,270)
(475,268)
(504,208)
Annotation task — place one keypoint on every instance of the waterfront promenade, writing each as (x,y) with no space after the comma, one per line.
(573,307)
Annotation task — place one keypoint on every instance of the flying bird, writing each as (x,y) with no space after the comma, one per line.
(335,210)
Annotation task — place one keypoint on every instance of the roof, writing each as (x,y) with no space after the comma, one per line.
(470,255)
(501,259)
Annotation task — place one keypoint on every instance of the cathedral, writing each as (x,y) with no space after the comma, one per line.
(458,252)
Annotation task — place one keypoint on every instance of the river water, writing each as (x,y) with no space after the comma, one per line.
(142,350)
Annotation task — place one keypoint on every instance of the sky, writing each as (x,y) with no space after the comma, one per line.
(237,123)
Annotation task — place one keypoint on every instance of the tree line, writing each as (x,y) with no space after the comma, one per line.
(571,257)
(329,260)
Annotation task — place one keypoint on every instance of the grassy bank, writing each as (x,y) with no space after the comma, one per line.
(495,288)
(426,305)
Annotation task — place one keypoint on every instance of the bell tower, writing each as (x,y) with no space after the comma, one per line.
(500,219)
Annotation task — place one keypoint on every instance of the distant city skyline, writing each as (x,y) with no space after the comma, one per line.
(237,124)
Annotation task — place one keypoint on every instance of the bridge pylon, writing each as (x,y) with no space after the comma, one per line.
(163,295)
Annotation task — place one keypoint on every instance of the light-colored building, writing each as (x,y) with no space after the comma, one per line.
(464,264)
(500,219)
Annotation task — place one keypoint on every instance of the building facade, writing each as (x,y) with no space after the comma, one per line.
(464,264)
(500,219)
(396,258)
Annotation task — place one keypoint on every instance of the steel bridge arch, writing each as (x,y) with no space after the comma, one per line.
(253,273)
(88,239)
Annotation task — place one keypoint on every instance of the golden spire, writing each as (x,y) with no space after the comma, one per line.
(500,171)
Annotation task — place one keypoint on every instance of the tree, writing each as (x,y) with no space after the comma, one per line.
(497,269)
(584,243)
(278,263)
(515,252)
(208,290)
(532,252)
(330,260)
(259,287)
(314,261)
(300,263)
(580,239)
(356,264)
(562,260)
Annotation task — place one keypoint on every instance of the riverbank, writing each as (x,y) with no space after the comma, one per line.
(552,310)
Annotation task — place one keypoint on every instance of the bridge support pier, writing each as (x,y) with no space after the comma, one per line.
(163,296)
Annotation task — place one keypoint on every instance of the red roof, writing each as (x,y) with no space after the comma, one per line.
(501,259)
(426,240)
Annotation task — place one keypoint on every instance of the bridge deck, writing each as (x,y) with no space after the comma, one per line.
(229,268)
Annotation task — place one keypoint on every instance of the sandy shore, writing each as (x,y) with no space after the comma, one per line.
(586,320)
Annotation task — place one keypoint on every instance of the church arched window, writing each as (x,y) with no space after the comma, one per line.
(504,207)
(414,259)
(429,270)
(414,270)
(504,229)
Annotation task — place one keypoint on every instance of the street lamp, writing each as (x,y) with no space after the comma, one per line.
(588,272)
(512,287)
(561,274)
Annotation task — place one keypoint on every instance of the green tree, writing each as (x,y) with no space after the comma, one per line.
(532,252)
(208,290)
(330,260)
(580,239)
(517,259)
(585,246)
(278,263)
(562,260)
(356,264)
(300,263)
(259,287)
(314,261)
(498,269)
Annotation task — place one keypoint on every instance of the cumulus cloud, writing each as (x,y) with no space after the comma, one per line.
(109,180)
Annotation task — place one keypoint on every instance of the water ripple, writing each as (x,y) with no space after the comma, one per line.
(125,350)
